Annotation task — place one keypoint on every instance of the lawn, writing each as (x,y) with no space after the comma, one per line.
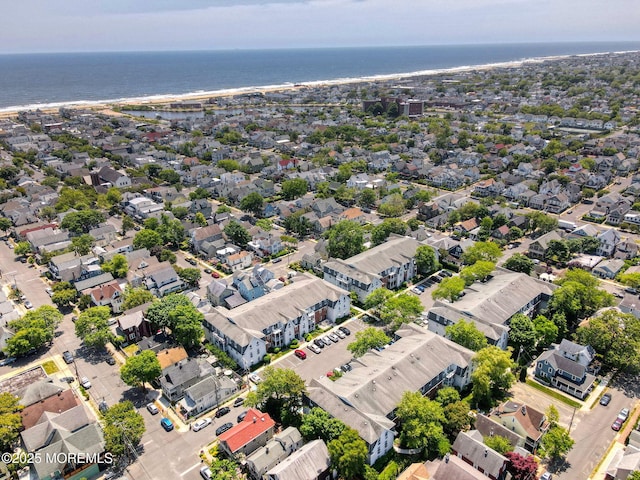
(130,350)
(50,367)
(553,393)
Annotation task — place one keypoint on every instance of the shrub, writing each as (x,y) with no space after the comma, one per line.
(266,359)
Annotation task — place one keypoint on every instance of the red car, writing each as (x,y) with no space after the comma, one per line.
(215,274)
(300,354)
(617,424)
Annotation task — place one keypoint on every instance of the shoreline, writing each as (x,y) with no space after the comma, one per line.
(105,106)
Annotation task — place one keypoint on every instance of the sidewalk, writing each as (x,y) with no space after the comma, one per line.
(594,396)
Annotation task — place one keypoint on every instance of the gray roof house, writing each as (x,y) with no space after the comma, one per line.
(207,394)
(608,268)
(178,377)
(367,396)
(274,452)
(469,446)
(311,462)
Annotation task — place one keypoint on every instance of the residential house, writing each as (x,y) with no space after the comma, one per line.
(526,421)
(354,214)
(389,264)
(491,305)
(624,463)
(470,447)
(608,268)
(133,325)
(275,319)
(447,468)
(538,248)
(108,294)
(163,280)
(177,378)
(254,284)
(207,394)
(557,203)
(104,235)
(113,178)
(253,432)
(311,461)
(205,240)
(239,261)
(608,241)
(366,398)
(569,367)
(626,250)
(488,188)
(266,243)
(58,437)
(274,452)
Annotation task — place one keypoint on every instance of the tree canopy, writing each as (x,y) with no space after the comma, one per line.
(487,251)
(426,260)
(253,203)
(449,288)
(466,334)
(237,233)
(10,421)
(493,375)
(140,369)
(348,454)
(519,263)
(134,297)
(82,221)
(399,309)
(33,330)
(123,428)
(280,392)
(92,327)
(318,424)
(421,422)
(294,188)
(381,232)
(370,337)
(556,443)
(345,239)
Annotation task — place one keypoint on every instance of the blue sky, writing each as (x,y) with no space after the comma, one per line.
(134,25)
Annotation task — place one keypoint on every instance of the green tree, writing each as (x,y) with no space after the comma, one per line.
(253,203)
(82,221)
(117,266)
(237,233)
(457,418)
(481,270)
(159,313)
(345,239)
(134,297)
(265,224)
(127,224)
(318,424)
(167,256)
(519,263)
(556,442)
(522,333)
(171,231)
(541,222)
(426,260)
(399,309)
(615,336)
(180,212)
(5,224)
(280,392)
(33,330)
(635,475)
(10,421)
(450,288)
(367,198)
(514,234)
(148,239)
(376,299)
(294,188)
(348,454)
(140,369)
(64,298)
(22,248)
(393,206)
(82,244)
(200,219)
(92,327)
(630,279)
(557,251)
(186,324)
(370,337)
(447,395)
(421,422)
(381,232)
(123,428)
(578,296)
(546,330)
(297,224)
(488,251)
(499,444)
(492,376)
(466,334)
(191,276)
(553,416)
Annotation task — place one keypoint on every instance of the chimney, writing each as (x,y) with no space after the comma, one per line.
(486,452)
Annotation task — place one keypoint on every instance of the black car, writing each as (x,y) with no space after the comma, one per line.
(346,368)
(446,273)
(238,401)
(222,412)
(606,398)
(223,428)
(241,416)
(67,356)
(319,342)
(345,330)
(110,360)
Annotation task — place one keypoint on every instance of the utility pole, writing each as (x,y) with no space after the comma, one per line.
(571,422)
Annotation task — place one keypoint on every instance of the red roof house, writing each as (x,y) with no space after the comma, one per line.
(253,432)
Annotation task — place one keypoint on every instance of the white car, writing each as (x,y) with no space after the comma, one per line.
(255,378)
(152,408)
(84,381)
(205,472)
(28,305)
(340,334)
(200,424)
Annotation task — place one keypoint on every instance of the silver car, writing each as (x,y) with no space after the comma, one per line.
(200,424)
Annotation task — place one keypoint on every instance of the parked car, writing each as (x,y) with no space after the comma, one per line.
(618,295)
(631,290)
(624,414)
(334,338)
(314,348)
(110,360)
(67,379)
(28,305)
(223,428)
(205,472)
(200,424)
(49,291)
(191,261)
(67,356)
(546,476)
(435,279)
(7,361)
(327,341)
(255,378)
(300,354)
(606,398)
(345,330)
(346,367)
(166,424)
(340,334)
(238,401)
(416,291)
(208,271)
(86,384)
(222,412)
(215,274)
(152,408)
(241,416)
(318,342)
(617,424)
(446,273)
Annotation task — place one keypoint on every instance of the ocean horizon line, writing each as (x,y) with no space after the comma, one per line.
(344,47)
(198,94)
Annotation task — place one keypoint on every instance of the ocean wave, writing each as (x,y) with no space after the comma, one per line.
(197,94)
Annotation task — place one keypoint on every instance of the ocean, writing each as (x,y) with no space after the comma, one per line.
(51,80)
